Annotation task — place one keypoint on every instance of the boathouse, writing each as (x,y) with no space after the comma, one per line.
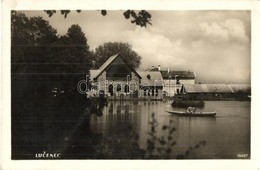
(115,79)
(216,91)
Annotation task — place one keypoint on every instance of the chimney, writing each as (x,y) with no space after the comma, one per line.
(159,67)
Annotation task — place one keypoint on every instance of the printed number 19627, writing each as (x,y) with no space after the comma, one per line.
(242,155)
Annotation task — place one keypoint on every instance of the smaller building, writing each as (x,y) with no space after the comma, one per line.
(216,91)
(173,80)
(151,86)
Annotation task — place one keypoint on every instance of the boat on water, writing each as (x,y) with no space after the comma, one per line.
(195,114)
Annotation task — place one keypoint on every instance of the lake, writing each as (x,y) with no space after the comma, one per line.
(57,127)
(227,136)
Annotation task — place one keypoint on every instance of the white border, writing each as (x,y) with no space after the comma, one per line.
(7,5)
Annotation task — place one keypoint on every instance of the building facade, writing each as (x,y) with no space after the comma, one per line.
(151,85)
(173,81)
(116,80)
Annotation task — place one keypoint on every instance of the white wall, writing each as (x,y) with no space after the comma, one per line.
(171,88)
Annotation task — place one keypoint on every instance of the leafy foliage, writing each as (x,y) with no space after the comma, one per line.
(38,54)
(103,52)
(140,18)
(77,37)
(71,48)
(161,147)
(63,12)
(29,35)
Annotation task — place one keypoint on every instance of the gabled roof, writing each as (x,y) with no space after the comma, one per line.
(103,67)
(93,73)
(151,78)
(107,63)
(179,74)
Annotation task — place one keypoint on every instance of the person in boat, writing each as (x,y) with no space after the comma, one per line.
(191,110)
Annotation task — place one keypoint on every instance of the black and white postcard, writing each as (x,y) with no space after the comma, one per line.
(118,85)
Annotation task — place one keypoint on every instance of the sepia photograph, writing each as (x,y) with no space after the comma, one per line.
(130,84)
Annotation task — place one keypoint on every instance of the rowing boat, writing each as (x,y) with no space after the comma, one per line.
(195,114)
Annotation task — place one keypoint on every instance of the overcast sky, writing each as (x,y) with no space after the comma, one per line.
(214,44)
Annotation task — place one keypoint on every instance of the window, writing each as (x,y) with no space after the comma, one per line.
(126,89)
(110,89)
(156,92)
(118,87)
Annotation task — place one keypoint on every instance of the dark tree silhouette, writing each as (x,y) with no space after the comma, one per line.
(29,38)
(140,18)
(41,60)
(103,52)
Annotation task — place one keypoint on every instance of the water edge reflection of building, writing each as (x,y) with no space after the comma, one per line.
(119,118)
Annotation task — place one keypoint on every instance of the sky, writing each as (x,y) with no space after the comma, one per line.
(215,44)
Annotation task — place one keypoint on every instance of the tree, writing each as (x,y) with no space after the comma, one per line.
(103,52)
(29,38)
(77,37)
(71,48)
(70,54)
(140,18)
(39,56)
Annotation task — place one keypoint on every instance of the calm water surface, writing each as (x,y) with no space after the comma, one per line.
(227,135)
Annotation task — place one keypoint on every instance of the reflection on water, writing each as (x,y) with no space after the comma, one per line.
(226,135)
(77,134)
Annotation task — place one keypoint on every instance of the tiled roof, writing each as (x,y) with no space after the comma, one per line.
(152,78)
(220,88)
(215,88)
(246,88)
(179,74)
(194,88)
